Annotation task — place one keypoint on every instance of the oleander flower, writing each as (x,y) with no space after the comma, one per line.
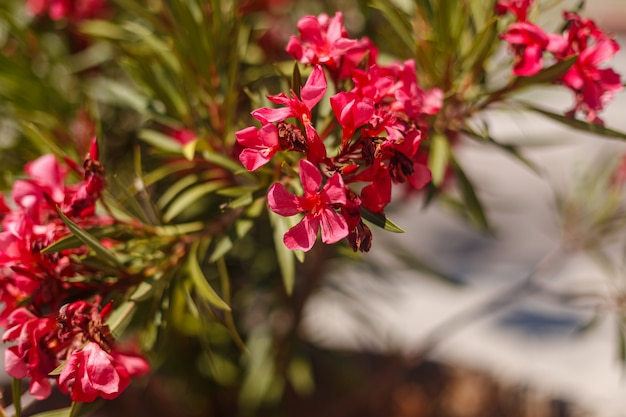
(91,372)
(318,205)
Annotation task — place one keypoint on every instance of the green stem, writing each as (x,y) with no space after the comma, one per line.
(16,390)
(75,409)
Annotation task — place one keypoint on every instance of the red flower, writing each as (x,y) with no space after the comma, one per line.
(91,372)
(593,86)
(518,7)
(352,111)
(311,94)
(322,41)
(260,145)
(31,357)
(529,42)
(71,9)
(318,205)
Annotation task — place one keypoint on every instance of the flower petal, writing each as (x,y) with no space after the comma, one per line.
(303,235)
(315,88)
(282,201)
(310,177)
(334,191)
(334,226)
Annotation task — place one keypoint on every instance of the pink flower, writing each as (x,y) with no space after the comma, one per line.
(593,86)
(529,42)
(182,136)
(322,41)
(318,205)
(91,372)
(31,357)
(352,111)
(72,9)
(377,194)
(519,8)
(311,94)
(410,96)
(260,145)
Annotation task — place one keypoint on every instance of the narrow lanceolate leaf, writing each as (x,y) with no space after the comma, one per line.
(296,78)
(72,241)
(91,241)
(510,149)
(546,75)
(578,124)
(380,220)
(398,20)
(472,203)
(62,412)
(285,256)
(189,197)
(439,157)
(201,284)
(160,140)
(120,318)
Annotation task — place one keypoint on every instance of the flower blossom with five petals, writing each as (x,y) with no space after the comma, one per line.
(319,206)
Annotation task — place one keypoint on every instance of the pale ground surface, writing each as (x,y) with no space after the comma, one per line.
(532,341)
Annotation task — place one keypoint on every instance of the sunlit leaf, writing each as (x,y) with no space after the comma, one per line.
(189,149)
(439,157)
(91,241)
(73,241)
(159,140)
(473,204)
(189,197)
(380,220)
(201,284)
(120,318)
(285,256)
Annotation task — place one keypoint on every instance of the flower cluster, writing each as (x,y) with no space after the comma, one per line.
(380,110)
(593,86)
(73,10)
(38,289)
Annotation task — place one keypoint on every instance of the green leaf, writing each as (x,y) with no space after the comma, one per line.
(91,241)
(189,149)
(120,318)
(439,157)
(547,75)
(426,9)
(222,247)
(380,220)
(159,140)
(61,412)
(284,255)
(587,127)
(510,149)
(104,29)
(142,292)
(398,20)
(201,284)
(57,371)
(472,203)
(73,241)
(189,197)
(296,78)
(481,48)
